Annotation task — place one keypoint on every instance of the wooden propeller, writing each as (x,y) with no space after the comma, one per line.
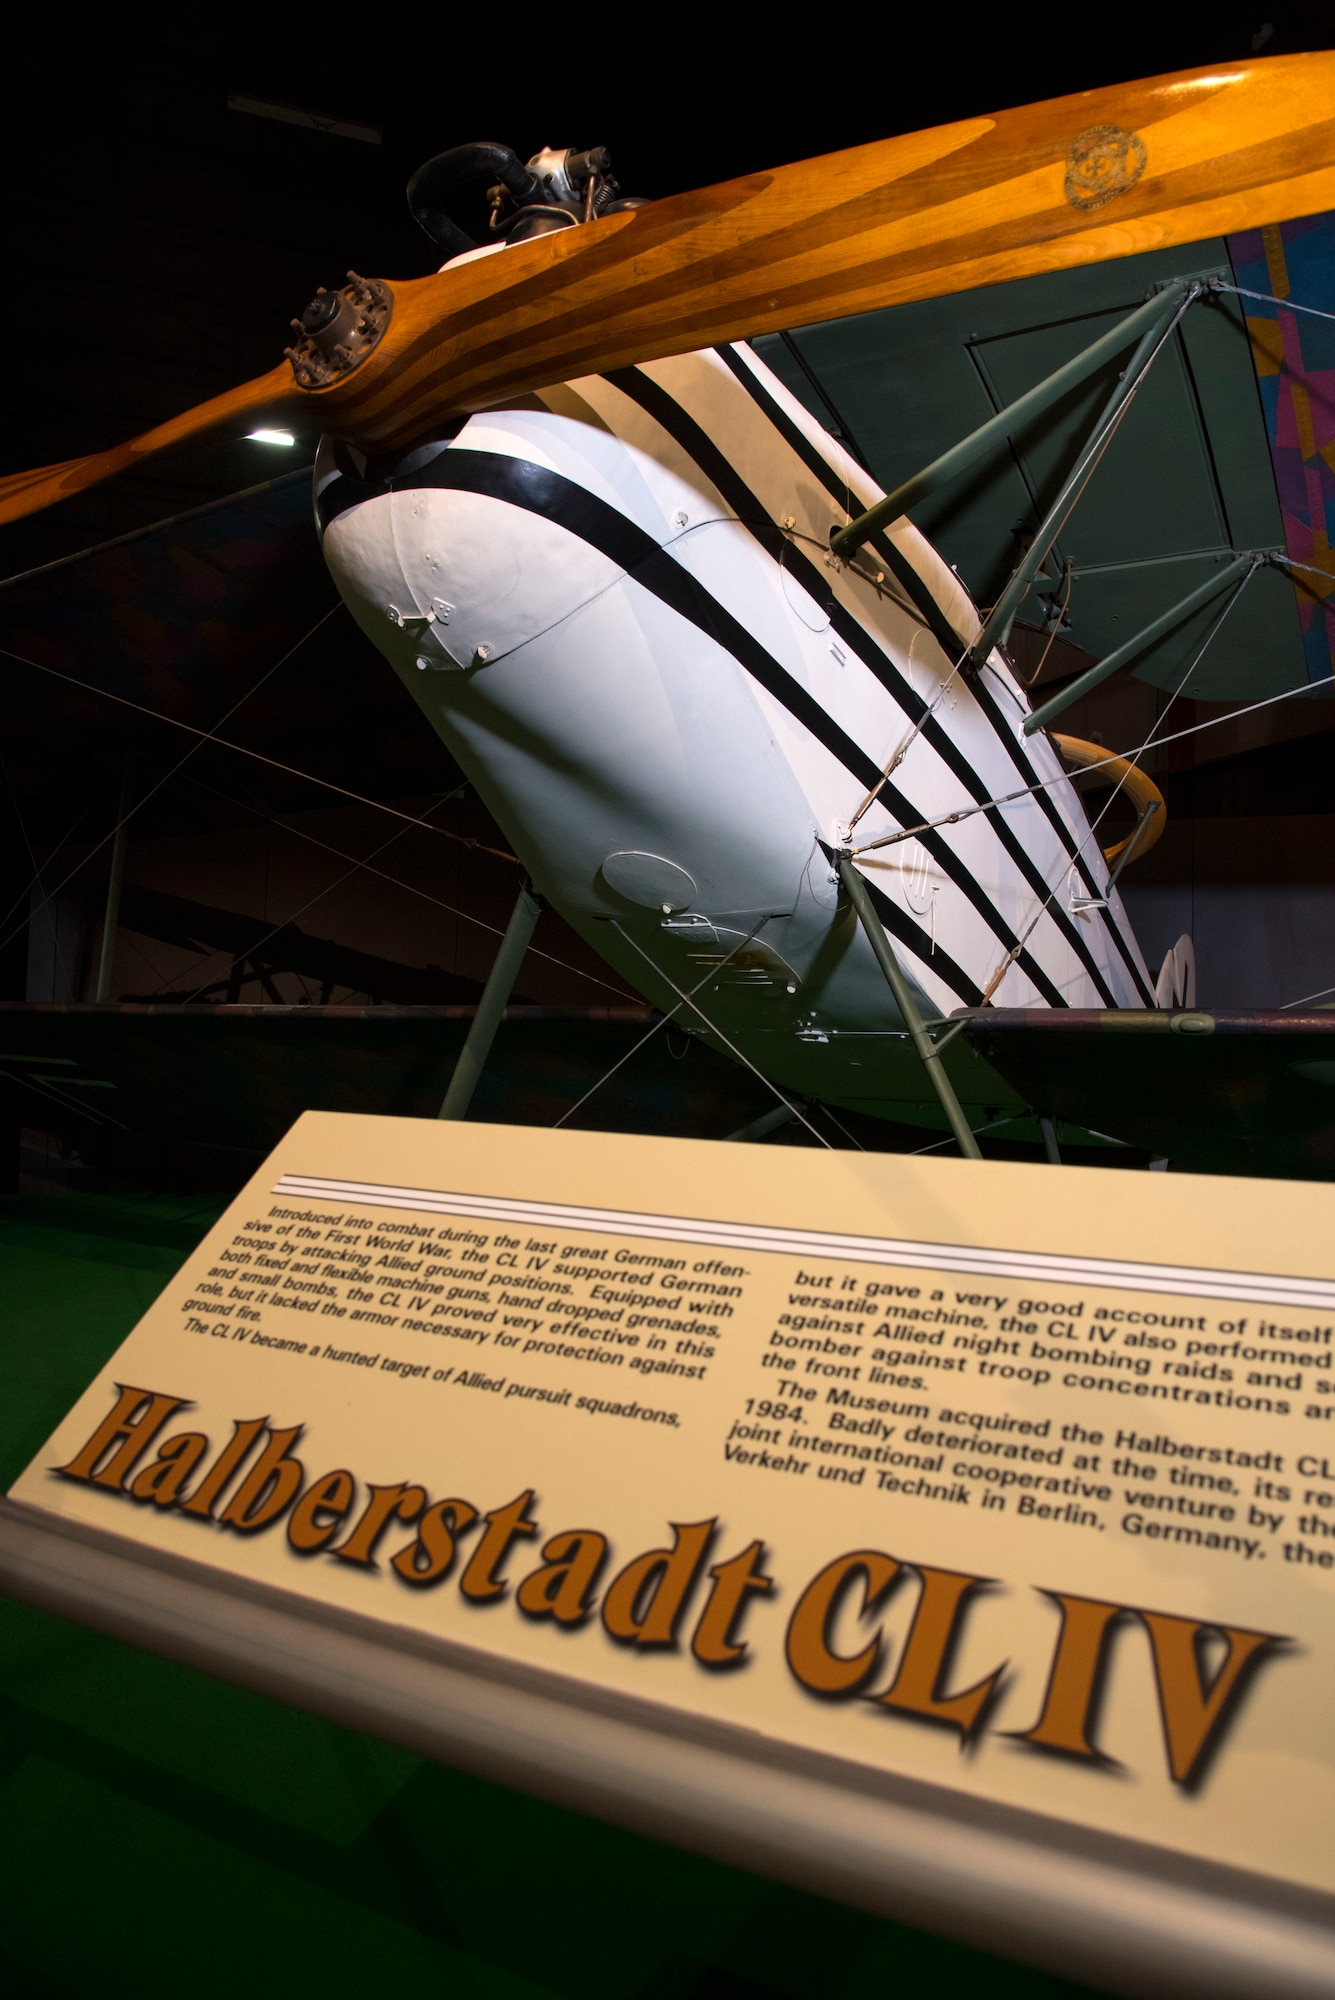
(1077,180)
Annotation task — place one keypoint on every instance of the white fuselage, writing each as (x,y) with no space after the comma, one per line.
(615,603)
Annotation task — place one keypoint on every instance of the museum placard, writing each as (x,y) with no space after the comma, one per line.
(1015,1481)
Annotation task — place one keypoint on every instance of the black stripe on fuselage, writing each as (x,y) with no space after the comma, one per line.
(700,447)
(706,455)
(903,927)
(538,490)
(951,645)
(915,707)
(988,704)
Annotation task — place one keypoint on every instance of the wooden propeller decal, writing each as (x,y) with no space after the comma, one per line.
(1078,180)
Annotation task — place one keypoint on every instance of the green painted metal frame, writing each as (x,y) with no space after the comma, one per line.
(927,1049)
(1241,566)
(495,997)
(1148,322)
(1168,310)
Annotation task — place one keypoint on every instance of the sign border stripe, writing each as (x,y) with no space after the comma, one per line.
(1262,1287)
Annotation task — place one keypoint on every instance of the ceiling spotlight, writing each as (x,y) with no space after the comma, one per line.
(271,437)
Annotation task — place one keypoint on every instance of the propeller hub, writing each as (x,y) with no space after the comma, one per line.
(338,330)
(322,308)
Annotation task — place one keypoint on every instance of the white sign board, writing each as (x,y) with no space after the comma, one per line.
(1017,1482)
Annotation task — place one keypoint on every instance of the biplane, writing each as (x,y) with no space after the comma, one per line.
(742,724)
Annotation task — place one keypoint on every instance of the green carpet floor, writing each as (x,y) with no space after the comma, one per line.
(162,1831)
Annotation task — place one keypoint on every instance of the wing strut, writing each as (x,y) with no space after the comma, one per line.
(1218,581)
(495,994)
(1148,320)
(899,986)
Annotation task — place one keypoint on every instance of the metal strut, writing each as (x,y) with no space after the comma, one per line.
(996,627)
(1149,320)
(928,1052)
(495,996)
(760,1128)
(1247,561)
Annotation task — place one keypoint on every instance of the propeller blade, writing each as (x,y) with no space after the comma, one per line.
(1077,180)
(269,396)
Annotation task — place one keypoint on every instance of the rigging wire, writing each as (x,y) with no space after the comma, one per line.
(1290,1005)
(26,892)
(1110,801)
(1107,806)
(46,1086)
(211,736)
(1268,298)
(1063,777)
(1099,449)
(205,735)
(821,1105)
(337,883)
(1325,603)
(1084,472)
(839,429)
(663,1021)
(397,882)
(980,1133)
(690,1000)
(134,944)
(1308,569)
(226,500)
